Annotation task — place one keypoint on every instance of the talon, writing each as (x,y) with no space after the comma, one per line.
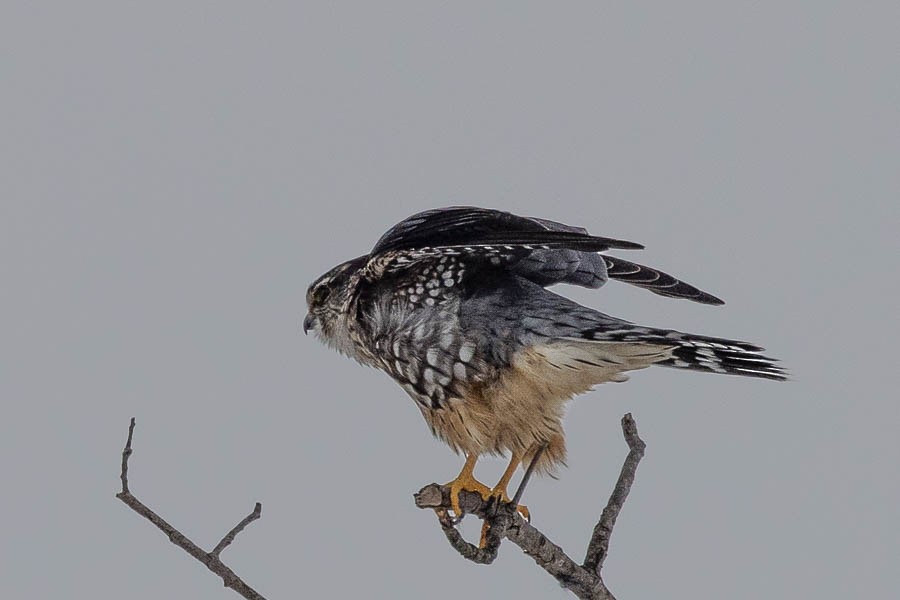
(523,510)
(465,485)
(503,498)
(444,517)
(466,481)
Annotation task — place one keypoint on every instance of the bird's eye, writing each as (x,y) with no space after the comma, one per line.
(320,294)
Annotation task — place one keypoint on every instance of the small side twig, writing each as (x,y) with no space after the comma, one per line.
(210,559)
(598,548)
(126,454)
(504,522)
(229,537)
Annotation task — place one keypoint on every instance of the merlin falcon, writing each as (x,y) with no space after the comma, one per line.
(453,304)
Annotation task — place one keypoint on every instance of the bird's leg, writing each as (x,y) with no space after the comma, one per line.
(499,490)
(500,495)
(466,481)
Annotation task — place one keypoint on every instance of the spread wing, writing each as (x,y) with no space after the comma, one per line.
(469,226)
(542,251)
(482,235)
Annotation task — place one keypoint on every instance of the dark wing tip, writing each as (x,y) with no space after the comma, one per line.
(624,245)
(707,298)
(689,292)
(656,281)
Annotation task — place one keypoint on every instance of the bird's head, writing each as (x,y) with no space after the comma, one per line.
(327,300)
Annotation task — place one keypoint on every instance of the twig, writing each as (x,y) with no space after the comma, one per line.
(229,537)
(598,548)
(482,556)
(505,523)
(126,454)
(210,559)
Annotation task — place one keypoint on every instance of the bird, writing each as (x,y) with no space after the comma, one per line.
(453,304)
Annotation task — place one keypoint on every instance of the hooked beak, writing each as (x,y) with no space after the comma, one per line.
(309,322)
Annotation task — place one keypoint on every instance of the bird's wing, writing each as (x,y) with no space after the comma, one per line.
(592,270)
(477,234)
(543,251)
(656,281)
(468,226)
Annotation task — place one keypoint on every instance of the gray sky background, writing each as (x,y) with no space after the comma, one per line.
(173,175)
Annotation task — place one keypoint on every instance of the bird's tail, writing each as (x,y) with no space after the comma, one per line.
(694,352)
(729,357)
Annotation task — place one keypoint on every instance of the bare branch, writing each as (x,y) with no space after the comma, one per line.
(504,522)
(501,521)
(126,454)
(210,559)
(229,537)
(482,556)
(598,548)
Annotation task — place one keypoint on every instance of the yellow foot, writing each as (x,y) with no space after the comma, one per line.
(465,482)
(523,510)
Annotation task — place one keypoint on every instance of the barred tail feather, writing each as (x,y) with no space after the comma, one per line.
(712,355)
(693,352)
